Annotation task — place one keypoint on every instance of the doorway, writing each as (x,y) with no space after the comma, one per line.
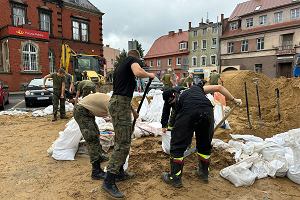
(285,69)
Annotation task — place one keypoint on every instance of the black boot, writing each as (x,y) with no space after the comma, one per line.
(97,172)
(124,175)
(203,169)
(54,118)
(109,186)
(174,177)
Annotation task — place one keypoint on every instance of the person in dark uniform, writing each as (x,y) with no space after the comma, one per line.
(120,110)
(170,96)
(194,113)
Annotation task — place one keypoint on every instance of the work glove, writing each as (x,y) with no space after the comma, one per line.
(238,102)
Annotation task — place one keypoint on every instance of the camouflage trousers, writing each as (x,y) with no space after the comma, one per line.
(120,111)
(88,90)
(89,130)
(57,101)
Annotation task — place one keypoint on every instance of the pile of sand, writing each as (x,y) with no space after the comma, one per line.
(270,124)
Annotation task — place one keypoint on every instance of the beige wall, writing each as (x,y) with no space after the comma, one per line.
(272,40)
(110,54)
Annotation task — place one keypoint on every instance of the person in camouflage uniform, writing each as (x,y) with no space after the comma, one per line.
(58,98)
(167,79)
(120,110)
(85,88)
(84,113)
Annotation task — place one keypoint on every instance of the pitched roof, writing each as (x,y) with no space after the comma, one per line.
(168,45)
(86,4)
(250,7)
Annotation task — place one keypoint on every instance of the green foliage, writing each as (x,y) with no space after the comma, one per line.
(140,49)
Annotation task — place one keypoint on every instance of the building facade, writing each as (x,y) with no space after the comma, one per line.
(110,55)
(33,31)
(204,47)
(169,51)
(263,36)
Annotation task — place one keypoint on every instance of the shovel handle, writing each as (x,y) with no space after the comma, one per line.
(225,117)
(143,98)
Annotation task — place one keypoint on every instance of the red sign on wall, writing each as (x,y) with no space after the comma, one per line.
(28,33)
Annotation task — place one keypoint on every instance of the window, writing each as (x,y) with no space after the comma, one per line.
(51,61)
(203,60)
(195,33)
(214,29)
(257,8)
(213,59)
(295,13)
(158,63)
(182,46)
(195,45)
(84,32)
(233,25)
(204,44)
(214,43)
(4,54)
(151,63)
(169,61)
(18,16)
(178,61)
(230,47)
(244,47)
(260,44)
(45,22)
(258,68)
(263,20)
(204,31)
(29,55)
(80,31)
(278,17)
(194,61)
(249,22)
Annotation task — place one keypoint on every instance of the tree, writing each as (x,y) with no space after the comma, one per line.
(139,48)
(120,58)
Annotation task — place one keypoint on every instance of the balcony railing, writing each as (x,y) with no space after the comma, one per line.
(286,50)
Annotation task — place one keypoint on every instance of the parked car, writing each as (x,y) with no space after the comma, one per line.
(36,94)
(155,84)
(4,95)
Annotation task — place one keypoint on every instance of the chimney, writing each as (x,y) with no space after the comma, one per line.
(190,25)
(222,18)
(171,33)
(180,30)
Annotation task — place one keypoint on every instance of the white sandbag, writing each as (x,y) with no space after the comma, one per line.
(144,109)
(100,121)
(218,116)
(251,138)
(13,113)
(260,169)
(294,170)
(239,174)
(166,140)
(125,166)
(219,144)
(155,108)
(66,145)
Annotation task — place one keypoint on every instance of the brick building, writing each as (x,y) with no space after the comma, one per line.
(32,32)
(263,36)
(169,51)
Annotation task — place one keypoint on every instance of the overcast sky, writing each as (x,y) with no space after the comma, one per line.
(146,20)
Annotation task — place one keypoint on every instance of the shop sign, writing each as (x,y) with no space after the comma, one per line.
(28,33)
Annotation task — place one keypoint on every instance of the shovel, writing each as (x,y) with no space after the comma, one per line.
(194,149)
(143,98)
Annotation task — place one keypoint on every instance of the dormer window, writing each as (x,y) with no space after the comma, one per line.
(233,25)
(182,45)
(257,8)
